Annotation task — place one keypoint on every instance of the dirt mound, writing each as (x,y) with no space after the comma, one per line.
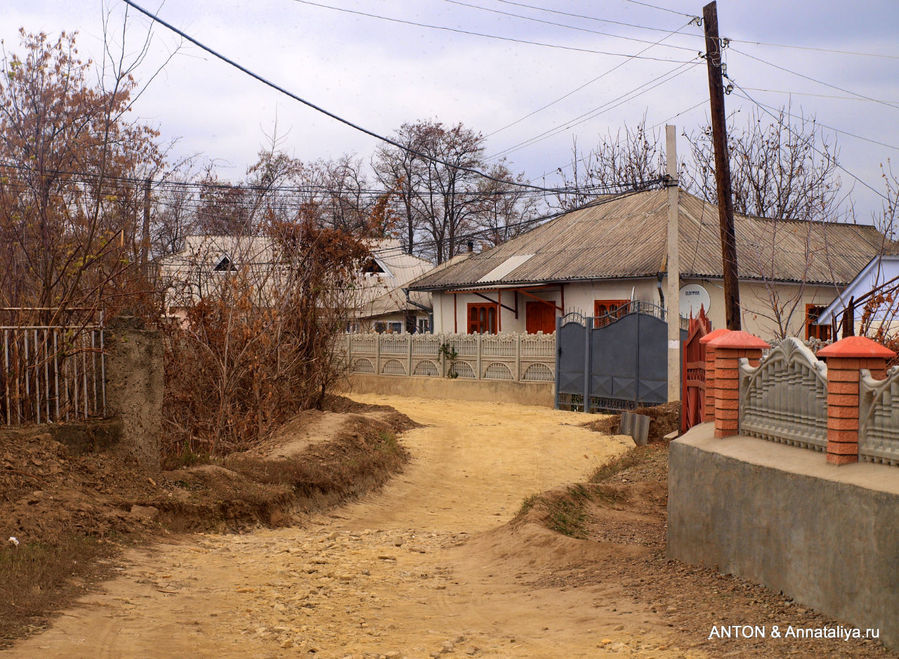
(610,533)
(66,509)
(663,419)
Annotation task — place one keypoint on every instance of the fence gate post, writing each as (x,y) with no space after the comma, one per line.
(518,357)
(558,356)
(588,361)
(377,354)
(478,360)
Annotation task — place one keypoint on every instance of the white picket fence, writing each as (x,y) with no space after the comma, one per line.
(510,357)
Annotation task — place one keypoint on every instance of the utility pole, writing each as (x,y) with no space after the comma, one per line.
(722,167)
(673,267)
(145,237)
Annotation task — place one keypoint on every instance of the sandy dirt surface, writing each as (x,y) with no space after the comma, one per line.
(408,571)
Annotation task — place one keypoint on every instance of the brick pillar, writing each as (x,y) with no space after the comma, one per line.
(729,349)
(708,403)
(844,361)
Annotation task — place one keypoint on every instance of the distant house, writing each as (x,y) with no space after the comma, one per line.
(384,305)
(879,276)
(205,261)
(596,259)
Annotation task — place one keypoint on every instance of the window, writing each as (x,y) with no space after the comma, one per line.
(812,331)
(395,327)
(423,326)
(224,264)
(607,311)
(482,318)
(380,327)
(540,317)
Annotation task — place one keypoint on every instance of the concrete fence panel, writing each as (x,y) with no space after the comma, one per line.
(878,433)
(784,399)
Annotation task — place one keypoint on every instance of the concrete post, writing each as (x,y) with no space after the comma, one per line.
(134,387)
(844,361)
(729,349)
(673,268)
(708,403)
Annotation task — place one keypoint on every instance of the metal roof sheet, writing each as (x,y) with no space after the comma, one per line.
(626,237)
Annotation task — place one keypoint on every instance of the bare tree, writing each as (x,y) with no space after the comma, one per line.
(617,163)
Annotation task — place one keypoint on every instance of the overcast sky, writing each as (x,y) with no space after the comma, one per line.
(380,74)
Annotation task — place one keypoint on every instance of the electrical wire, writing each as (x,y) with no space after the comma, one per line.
(809,48)
(318,108)
(589,18)
(795,93)
(674,116)
(820,82)
(473,33)
(836,130)
(670,11)
(814,148)
(565,25)
(595,112)
(586,84)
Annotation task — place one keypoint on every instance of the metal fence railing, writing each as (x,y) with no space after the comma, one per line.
(51,373)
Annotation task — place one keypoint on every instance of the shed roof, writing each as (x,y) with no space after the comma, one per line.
(626,237)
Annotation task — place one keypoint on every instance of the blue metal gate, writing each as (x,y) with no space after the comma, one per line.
(612,362)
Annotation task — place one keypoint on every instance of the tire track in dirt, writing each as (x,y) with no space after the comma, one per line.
(395,574)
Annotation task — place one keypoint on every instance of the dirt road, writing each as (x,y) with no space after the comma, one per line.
(413,570)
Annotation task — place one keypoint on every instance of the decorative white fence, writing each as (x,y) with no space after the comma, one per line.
(784,398)
(878,419)
(510,357)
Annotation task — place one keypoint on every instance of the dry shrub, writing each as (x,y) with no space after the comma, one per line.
(260,346)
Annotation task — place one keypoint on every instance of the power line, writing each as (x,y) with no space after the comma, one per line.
(795,93)
(836,130)
(820,82)
(605,107)
(201,187)
(589,18)
(473,33)
(813,147)
(320,109)
(565,25)
(811,48)
(724,40)
(580,87)
(670,11)
(704,101)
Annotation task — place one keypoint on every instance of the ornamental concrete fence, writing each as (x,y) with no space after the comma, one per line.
(845,405)
(504,357)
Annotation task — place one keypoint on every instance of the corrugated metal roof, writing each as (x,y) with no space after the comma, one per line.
(626,237)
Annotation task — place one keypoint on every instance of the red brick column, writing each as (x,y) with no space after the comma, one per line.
(844,361)
(708,403)
(729,348)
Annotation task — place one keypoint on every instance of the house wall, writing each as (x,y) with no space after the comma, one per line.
(758,309)
(579,296)
(755,299)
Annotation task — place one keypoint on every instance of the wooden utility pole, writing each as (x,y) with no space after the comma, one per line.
(673,268)
(722,167)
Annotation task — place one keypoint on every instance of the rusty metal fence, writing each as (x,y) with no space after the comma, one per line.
(52,373)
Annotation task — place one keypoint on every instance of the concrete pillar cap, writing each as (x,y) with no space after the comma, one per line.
(738,341)
(714,334)
(857,347)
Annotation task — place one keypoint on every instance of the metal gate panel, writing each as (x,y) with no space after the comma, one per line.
(627,360)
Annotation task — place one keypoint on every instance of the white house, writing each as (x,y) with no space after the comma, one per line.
(879,276)
(205,261)
(595,259)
